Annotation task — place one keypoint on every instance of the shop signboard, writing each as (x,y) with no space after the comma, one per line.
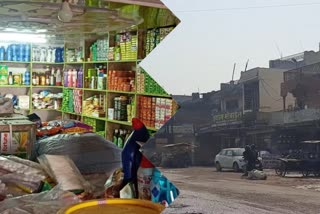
(227,117)
(183,129)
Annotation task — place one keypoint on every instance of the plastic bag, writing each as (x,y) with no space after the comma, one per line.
(20,175)
(42,203)
(62,169)
(114,184)
(28,183)
(257,175)
(25,162)
(3,191)
(90,152)
(10,166)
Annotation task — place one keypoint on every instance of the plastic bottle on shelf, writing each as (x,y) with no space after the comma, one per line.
(53,55)
(144,176)
(115,137)
(47,78)
(37,79)
(58,77)
(70,78)
(9,53)
(27,53)
(80,78)
(2,53)
(74,78)
(14,52)
(21,52)
(65,78)
(34,80)
(120,139)
(52,76)
(27,77)
(10,78)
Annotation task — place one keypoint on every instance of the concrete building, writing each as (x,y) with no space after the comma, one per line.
(296,61)
(262,90)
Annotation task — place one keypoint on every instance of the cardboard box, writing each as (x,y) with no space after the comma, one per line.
(4,75)
(18,143)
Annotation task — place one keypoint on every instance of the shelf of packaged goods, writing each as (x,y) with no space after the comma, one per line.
(46,86)
(120,122)
(14,62)
(48,63)
(123,61)
(73,113)
(121,92)
(14,86)
(73,63)
(45,109)
(155,95)
(91,89)
(96,62)
(72,88)
(97,118)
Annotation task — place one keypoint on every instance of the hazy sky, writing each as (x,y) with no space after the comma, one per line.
(215,34)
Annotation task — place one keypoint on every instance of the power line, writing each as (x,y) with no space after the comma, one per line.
(248,8)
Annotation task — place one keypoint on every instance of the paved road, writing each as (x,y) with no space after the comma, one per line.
(203,190)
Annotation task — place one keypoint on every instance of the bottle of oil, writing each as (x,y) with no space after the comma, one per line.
(10,78)
(115,137)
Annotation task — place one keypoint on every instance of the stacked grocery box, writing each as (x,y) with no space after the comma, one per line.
(154,37)
(121,80)
(102,49)
(146,113)
(163,111)
(128,46)
(4,75)
(146,84)
(140,80)
(77,100)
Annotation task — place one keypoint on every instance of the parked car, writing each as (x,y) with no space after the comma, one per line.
(230,158)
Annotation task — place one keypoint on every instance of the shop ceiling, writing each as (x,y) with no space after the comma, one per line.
(41,16)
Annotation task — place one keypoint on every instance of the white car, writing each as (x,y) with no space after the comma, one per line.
(230,158)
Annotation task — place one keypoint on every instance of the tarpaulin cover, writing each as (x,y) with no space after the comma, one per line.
(90,152)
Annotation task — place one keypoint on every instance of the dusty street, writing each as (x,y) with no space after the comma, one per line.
(203,190)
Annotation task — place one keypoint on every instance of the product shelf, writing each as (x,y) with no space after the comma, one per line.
(15,86)
(14,62)
(121,92)
(48,63)
(46,86)
(72,63)
(155,95)
(123,61)
(127,61)
(72,88)
(97,118)
(91,89)
(45,109)
(96,62)
(73,113)
(120,122)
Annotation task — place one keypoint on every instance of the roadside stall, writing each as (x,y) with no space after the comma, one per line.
(304,159)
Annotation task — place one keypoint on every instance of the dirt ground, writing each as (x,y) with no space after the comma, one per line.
(203,190)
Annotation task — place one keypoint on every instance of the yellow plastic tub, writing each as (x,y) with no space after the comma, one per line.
(114,206)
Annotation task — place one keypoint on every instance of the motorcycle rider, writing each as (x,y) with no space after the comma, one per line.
(249,158)
(257,164)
